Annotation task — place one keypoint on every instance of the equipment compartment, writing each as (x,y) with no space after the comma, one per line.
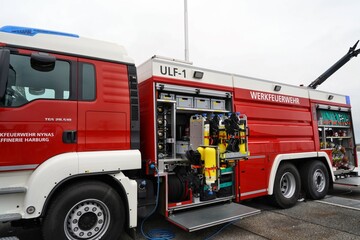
(167,96)
(336,137)
(203,103)
(199,143)
(182,147)
(165,129)
(217,104)
(184,101)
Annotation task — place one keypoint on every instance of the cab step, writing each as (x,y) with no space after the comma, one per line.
(10,217)
(11,190)
(197,219)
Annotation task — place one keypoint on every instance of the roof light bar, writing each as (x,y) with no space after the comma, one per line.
(33,31)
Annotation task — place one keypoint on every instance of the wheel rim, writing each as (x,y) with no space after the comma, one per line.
(287,185)
(319,180)
(88,219)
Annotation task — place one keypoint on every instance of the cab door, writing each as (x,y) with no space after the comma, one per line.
(38,114)
(103,106)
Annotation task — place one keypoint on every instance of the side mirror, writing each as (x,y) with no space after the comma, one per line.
(4,70)
(42,62)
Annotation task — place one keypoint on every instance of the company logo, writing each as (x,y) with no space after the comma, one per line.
(24,137)
(270,97)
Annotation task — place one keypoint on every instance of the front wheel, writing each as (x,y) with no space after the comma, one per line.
(86,210)
(286,186)
(315,179)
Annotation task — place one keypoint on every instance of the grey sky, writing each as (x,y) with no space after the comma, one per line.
(286,41)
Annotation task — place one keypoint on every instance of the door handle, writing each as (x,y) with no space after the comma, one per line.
(69,136)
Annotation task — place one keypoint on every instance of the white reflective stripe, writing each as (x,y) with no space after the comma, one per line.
(103,161)
(19,167)
(323,96)
(50,173)
(266,87)
(185,72)
(324,154)
(291,156)
(253,192)
(130,187)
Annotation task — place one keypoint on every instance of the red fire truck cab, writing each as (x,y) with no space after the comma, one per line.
(88,140)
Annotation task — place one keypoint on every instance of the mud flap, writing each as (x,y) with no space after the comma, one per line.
(196,219)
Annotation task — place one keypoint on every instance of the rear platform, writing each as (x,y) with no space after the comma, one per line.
(210,216)
(349,181)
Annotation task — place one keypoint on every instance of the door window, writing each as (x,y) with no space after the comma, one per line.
(87,82)
(26,84)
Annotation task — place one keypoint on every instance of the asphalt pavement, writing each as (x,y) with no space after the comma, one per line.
(307,220)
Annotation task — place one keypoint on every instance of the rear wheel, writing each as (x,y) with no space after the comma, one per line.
(286,186)
(86,210)
(315,179)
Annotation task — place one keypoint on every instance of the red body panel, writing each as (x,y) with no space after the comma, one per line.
(25,129)
(274,128)
(104,124)
(252,177)
(147,122)
(39,138)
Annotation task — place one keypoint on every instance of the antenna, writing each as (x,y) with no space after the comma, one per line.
(186,31)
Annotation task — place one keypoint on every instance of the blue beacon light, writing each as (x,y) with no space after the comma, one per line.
(33,31)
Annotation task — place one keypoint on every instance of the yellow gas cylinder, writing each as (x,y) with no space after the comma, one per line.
(222,139)
(242,139)
(206,134)
(210,165)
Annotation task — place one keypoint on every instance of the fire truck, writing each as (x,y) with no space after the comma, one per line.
(89,142)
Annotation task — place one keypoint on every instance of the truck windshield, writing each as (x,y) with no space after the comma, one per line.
(26,84)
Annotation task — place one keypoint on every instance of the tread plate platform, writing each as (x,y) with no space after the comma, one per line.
(341,202)
(349,181)
(193,220)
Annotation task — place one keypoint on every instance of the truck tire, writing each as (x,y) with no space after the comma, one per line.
(85,210)
(315,179)
(287,186)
